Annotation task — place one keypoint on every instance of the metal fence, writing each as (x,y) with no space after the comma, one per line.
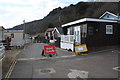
(67,38)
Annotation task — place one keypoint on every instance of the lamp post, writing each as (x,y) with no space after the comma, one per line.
(24,29)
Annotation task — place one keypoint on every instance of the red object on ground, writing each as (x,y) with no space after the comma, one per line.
(49,50)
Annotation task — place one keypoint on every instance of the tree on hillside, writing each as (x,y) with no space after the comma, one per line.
(50,25)
(71,13)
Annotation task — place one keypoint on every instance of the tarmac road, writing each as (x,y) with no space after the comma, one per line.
(0,69)
(31,64)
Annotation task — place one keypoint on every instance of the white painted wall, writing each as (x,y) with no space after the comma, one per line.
(17,36)
(2,36)
(27,36)
(17,40)
(66,45)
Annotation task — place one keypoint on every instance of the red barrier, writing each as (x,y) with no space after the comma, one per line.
(49,50)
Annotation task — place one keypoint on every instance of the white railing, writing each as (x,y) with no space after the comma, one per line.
(67,38)
(20,43)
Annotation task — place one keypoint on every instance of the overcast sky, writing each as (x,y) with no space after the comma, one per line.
(13,12)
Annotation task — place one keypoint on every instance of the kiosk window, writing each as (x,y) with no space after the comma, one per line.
(109,29)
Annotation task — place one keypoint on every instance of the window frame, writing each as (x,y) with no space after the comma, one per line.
(109,29)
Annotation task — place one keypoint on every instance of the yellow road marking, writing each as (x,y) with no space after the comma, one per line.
(10,70)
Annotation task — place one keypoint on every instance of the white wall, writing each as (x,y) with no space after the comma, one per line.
(27,36)
(1,36)
(17,36)
(66,45)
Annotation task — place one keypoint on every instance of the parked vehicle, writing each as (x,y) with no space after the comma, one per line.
(2,51)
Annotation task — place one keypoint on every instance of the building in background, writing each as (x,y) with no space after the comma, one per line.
(16,36)
(95,33)
(49,35)
(2,38)
(57,32)
(110,16)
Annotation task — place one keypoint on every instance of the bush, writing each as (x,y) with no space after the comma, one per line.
(43,40)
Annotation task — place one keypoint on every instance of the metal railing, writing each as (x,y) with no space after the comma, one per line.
(67,38)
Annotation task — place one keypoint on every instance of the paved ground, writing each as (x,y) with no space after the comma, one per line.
(10,56)
(32,65)
(33,52)
(0,69)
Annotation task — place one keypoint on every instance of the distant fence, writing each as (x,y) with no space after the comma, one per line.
(21,43)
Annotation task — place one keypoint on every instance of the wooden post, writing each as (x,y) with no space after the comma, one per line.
(74,46)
